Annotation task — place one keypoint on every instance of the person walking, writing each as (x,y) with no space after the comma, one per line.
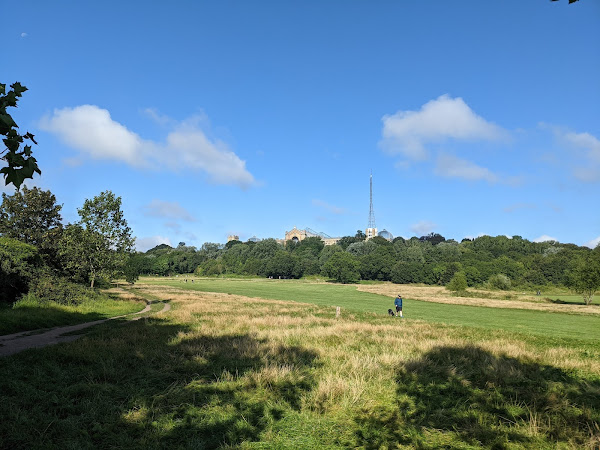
(398,303)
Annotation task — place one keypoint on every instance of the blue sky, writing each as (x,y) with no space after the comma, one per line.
(250,118)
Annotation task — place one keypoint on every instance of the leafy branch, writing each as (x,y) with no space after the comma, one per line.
(20,162)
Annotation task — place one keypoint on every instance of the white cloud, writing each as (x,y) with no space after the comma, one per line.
(171,210)
(587,167)
(585,141)
(453,167)
(593,243)
(423,227)
(146,243)
(157,117)
(93,132)
(545,238)
(587,174)
(328,207)
(407,132)
(24,35)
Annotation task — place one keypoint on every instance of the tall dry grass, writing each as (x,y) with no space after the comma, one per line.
(358,361)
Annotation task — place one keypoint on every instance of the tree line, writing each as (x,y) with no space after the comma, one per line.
(42,257)
(497,262)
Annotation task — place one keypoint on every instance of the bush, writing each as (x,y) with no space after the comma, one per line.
(458,283)
(19,262)
(499,281)
(49,288)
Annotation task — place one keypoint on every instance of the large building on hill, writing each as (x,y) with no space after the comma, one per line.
(299,235)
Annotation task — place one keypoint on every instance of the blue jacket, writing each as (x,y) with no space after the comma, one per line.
(398,301)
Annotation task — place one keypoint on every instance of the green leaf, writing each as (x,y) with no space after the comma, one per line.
(8,120)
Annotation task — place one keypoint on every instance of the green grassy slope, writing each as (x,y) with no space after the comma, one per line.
(347,297)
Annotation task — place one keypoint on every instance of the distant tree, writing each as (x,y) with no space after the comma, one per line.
(342,267)
(309,247)
(32,216)
(101,242)
(362,248)
(20,163)
(281,264)
(458,283)
(381,241)
(407,272)
(232,243)
(327,253)
(500,281)
(585,278)
(265,249)
(434,238)
(360,235)
(160,248)
(347,240)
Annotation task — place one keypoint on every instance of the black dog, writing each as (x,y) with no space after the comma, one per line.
(391,313)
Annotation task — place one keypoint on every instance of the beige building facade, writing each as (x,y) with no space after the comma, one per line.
(299,235)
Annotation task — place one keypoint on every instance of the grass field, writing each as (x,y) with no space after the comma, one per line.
(222,370)
(25,316)
(349,298)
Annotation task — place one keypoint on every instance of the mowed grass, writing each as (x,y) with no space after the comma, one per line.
(553,325)
(226,371)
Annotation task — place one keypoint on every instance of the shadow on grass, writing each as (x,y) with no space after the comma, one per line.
(459,396)
(147,385)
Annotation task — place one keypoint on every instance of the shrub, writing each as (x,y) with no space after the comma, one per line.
(19,262)
(458,283)
(49,288)
(499,281)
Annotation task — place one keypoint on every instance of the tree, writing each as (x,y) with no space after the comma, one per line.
(19,262)
(585,278)
(32,216)
(101,242)
(20,163)
(434,238)
(342,267)
(458,283)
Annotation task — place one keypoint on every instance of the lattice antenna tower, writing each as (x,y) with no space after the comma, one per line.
(371,213)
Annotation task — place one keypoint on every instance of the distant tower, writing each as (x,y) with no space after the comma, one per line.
(371,230)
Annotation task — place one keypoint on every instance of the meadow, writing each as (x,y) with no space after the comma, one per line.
(267,364)
(30,314)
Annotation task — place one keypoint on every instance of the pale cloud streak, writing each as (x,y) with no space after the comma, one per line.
(453,167)
(328,207)
(92,131)
(593,243)
(584,149)
(423,227)
(146,243)
(407,132)
(545,238)
(169,210)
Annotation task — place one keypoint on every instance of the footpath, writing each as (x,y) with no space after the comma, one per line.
(17,342)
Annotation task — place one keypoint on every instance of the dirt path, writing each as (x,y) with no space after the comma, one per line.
(17,342)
